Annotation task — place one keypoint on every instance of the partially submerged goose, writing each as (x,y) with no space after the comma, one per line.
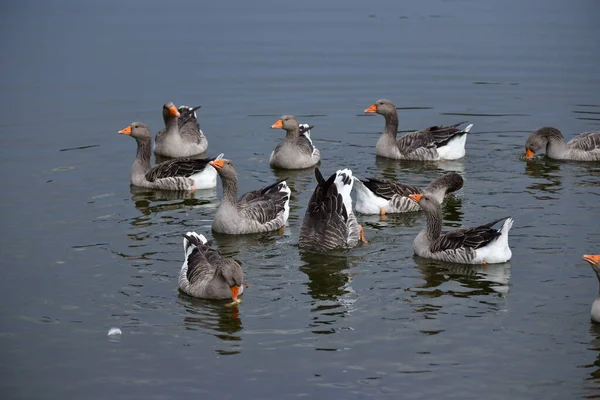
(181,136)
(479,245)
(297,150)
(594,261)
(262,210)
(433,143)
(583,147)
(383,196)
(329,222)
(178,174)
(206,274)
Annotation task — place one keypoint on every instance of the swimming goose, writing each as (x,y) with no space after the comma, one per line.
(594,261)
(297,150)
(383,196)
(583,147)
(262,210)
(177,174)
(433,143)
(181,136)
(329,222)
(206,274)
(479,245)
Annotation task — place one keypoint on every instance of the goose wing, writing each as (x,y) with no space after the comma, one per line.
(179,167)
(388,188)
(473,238)
(201,261)
(587,141)
(432,137)
(188,124)
(266,204)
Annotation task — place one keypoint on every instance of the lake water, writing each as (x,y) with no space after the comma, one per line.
(82,252)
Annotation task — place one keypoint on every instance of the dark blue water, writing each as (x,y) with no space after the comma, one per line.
(82,252)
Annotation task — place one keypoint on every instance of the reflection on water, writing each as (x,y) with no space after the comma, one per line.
(595,367)
(214,317)
(329,284)
(547,170)
(170,200)
(474,279)
(232,245)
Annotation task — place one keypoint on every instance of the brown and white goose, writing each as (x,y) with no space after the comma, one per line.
(177,174)
(181,136)
(384,196)
(479,245)
(583,147)
(262,210)
(594,260)
(206,274)
(329,222)
(296,151)
(433,143)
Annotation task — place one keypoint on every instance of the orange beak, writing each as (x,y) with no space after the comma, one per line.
(174,112)
(277,125)
(372,108)
(218,164)
(529,153)
(235,290)
(592,258)
(126,131)
(415,197)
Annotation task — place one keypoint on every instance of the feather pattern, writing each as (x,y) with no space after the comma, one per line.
(260,210)
(583,147)
(329,222)
(205,273)
(181,136)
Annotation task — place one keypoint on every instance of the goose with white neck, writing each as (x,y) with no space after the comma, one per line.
(594,260)
(480,245)
(261,210)
(583,147)
(431,144)
(181,136)
(296,151)
(177,174)
(386,196)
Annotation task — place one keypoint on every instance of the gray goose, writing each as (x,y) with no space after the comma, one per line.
(594,260)
(385,196)
(177,174)
(296,151)
(206,274)
(261,210)
(433,143)
(329,222)
(479,245)
(181,136)
(583,147)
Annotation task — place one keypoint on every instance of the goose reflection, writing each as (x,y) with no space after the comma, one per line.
(390,167)
(594,347)
(329,284)
(548,171)
(476,279)
(232,245)
(215,318)
(149,201)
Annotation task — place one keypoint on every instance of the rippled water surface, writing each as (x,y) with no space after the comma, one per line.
(82,252)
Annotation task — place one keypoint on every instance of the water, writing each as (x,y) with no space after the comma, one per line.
(83,253)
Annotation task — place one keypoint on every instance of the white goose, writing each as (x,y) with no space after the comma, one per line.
(479,245)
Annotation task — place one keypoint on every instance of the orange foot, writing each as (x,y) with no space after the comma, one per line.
(281,230)
(362,235)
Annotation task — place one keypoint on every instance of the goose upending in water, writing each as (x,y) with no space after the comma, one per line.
(383,196)
(181,136)
(177,174)
(594,261)
(433,143)
(583,147)
(296,151)
(262,210)
(206,274)
(479,245)
(329,222)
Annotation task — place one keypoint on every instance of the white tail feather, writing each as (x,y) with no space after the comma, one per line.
(468,128)
(345,188)
(187,246)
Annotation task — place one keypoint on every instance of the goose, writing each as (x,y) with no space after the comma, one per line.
(261,210)
(329,222)
(594,261)
(206,274)
(583,147)
(177,174)
(181,136)
(433,143)
(479,245)
(297,150)
(383,196)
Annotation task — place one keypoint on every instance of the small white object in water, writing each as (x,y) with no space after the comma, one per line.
(114,331)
